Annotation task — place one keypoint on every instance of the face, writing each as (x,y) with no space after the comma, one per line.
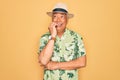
(61,20)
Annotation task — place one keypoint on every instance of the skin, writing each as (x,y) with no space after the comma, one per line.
(60,20)
(56,19)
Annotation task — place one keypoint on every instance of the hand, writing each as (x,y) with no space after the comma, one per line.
(52,65)
(52,29)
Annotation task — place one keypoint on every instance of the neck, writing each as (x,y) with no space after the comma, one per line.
(60,33)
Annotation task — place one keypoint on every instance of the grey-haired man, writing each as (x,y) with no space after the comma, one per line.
(61,50)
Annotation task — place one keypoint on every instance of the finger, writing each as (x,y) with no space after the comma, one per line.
(51,25)
(54,24)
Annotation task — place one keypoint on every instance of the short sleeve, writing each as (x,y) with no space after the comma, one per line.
(81,48)
(42,43)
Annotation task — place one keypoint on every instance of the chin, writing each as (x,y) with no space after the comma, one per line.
(60,29)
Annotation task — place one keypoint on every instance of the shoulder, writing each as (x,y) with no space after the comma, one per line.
(45,35)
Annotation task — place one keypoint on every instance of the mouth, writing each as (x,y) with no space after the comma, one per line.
(59,24)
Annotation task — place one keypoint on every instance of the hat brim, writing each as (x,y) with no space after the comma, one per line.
(68,14)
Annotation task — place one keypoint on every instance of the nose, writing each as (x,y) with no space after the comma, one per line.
(58,20)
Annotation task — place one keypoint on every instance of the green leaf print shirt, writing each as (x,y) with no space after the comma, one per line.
(69,47)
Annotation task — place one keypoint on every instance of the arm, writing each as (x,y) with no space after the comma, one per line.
(47,51)
(73,64)
(70,65)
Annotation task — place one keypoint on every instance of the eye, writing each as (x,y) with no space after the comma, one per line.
(54,16)
(62,16)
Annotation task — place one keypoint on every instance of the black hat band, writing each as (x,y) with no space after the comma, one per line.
(59,9)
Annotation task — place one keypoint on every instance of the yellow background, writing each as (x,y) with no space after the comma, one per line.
(22,22)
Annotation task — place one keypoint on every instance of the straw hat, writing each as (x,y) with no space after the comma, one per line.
(60,8)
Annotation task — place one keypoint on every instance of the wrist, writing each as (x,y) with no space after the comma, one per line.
(52,38)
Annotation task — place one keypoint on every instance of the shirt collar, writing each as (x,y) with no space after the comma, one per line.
(64,34)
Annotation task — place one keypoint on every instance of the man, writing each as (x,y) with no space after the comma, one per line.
(61,50)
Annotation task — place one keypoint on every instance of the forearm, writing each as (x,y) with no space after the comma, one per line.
(74,64)
(46,53)
(70,65)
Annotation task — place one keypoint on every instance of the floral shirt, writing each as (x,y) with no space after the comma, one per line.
(69,47)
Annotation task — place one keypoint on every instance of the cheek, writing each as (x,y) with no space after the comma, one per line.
(65,21)
(53,20)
